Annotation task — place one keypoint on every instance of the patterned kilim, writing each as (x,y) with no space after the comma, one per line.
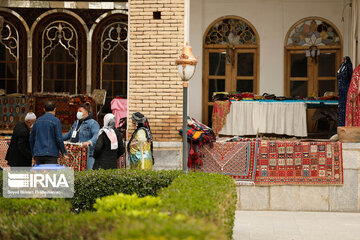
(78,156)
(236,159)
(121,161)
(14,109)
(4,146)
(299,163)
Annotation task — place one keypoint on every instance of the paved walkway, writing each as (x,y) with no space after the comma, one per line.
(271,225)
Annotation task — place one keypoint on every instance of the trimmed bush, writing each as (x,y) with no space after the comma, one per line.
(14,206)
(176,206)
(203,195)
(94,226)
(158,228)
(90,185)
(120,203)
(47,226)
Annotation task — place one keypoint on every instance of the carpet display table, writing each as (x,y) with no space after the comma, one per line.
(277,117)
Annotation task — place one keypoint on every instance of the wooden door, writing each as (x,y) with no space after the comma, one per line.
(228,70)
(311,77)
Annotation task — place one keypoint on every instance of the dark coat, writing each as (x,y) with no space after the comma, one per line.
(106,158)
(19,152)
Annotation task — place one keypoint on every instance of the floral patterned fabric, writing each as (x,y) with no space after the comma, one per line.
(221,110)
(140,152)
(353,100)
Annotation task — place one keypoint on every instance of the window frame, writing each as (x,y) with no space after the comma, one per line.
(231,71)
(96,49)
(37,53)
(313,77)
(21,58)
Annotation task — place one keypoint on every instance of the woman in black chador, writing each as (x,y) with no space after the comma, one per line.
(344,78)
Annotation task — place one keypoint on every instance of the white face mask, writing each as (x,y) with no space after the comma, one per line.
(79,115)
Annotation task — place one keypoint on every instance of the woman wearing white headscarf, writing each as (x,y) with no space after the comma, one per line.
(109,145)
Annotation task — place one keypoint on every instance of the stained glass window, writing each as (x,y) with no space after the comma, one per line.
(313,32)
(231,31)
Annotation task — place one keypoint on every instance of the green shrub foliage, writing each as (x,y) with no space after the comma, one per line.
(90,185)
(107,226)
(14,206)
(120,203)
(203,195)
(130,205)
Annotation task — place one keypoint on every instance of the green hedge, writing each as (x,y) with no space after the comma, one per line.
(90,185)
(93,226)
(14,206)
(187,206)
(203,195)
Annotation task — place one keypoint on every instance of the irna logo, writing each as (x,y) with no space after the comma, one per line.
(34,180)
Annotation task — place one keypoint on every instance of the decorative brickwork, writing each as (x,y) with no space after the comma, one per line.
(155,88)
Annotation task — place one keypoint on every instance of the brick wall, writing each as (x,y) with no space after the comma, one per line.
(155,88)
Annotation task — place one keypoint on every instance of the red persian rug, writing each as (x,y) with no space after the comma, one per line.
(299,163)
(4,146)
(236,159)
(78,156)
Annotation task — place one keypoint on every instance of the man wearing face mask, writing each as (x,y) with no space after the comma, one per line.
(84,130)
(19,152)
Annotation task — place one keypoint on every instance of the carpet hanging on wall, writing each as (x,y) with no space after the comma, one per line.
(13,109)
(299,163)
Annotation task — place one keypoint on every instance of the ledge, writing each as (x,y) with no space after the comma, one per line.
(347,146)
(167,144)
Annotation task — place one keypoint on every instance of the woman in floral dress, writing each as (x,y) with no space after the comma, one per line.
(140,146)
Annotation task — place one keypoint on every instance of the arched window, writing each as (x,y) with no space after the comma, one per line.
(59,55)
(13,46)
(110,39)
(231,59)
(313,49)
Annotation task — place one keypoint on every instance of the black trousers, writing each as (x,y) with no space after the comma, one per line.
(45,160)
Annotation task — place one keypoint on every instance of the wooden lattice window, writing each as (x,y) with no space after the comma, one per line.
(110,41)
(13,47)
(231,60)
(59,55)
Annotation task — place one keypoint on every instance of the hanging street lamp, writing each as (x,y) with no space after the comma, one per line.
(186,65)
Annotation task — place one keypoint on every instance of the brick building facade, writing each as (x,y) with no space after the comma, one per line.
(155,88)
(146,73)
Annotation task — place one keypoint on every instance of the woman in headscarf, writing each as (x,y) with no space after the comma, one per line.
(140,146)
(109,145)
